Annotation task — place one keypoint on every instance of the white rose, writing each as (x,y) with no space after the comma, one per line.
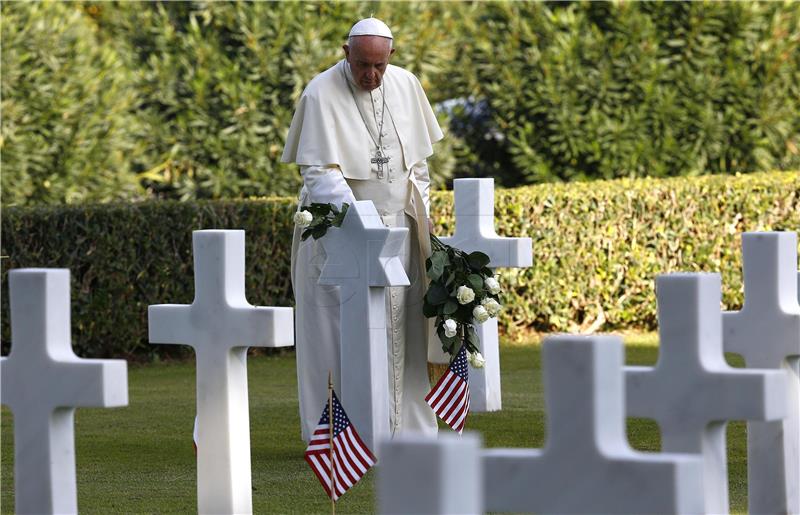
(492,285)
(303,218)
(476,360)
(492,306)
(480,314)
(450,327)
(465,295)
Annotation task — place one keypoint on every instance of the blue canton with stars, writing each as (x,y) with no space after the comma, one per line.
(340,420)
(459,365)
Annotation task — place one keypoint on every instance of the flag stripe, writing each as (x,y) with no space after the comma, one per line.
(453,402)
(443,406)
(447,391)
(362,449)
(344,473)
(358,458)
(442,386)
(348,455)
(458,416)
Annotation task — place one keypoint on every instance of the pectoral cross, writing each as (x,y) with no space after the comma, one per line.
(380,160)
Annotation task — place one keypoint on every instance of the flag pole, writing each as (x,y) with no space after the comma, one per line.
(330,441)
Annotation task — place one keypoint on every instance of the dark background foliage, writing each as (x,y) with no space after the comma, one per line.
(192,100)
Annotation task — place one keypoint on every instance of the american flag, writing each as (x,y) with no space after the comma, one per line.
(450,397)
(351,458)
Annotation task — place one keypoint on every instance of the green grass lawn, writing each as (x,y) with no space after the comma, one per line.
(139,459)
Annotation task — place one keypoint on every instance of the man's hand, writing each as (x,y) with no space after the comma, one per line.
(430,225)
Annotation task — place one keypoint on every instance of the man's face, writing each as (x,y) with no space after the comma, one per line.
(368,57)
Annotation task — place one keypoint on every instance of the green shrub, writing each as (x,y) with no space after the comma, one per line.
(192,100)
(591,90)
(68,130)
(597,249)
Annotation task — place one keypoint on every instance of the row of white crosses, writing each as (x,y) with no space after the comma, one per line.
(220,324)
(43,381)
(587,465)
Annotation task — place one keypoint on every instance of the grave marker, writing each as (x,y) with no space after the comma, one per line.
(362,259)
(474,210)
(220,325)
(43,382)
(692,392)
(766,332)
(587,465)
(421,474)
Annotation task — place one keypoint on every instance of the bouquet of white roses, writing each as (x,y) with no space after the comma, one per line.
(463,290)
(318,217)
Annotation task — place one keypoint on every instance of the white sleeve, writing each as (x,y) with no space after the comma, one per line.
(423,180)
(326,184)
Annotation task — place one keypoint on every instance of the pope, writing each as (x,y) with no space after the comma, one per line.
(363,130)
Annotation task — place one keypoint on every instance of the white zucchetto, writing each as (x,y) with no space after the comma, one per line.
(371,27)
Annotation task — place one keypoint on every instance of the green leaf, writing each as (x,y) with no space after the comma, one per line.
(472,336)
(475,282)
(338,219)
(438,262)
(437,294)
(477,260)
(319,231)
(429,310)
(450,307)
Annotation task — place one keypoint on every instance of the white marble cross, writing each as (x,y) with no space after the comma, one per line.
(587,465)
(692,392)
(766,332)
(421,474)
(220,325)
(43,382)
(362,259)
(474,210)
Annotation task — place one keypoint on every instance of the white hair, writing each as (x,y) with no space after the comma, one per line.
(350,40)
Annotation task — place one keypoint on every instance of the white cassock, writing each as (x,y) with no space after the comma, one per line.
(330,141)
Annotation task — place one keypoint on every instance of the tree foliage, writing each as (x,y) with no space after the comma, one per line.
(599,90)
(69,130)
(193,100)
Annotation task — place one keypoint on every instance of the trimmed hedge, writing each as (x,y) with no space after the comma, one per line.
(124,257)
(597,249)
